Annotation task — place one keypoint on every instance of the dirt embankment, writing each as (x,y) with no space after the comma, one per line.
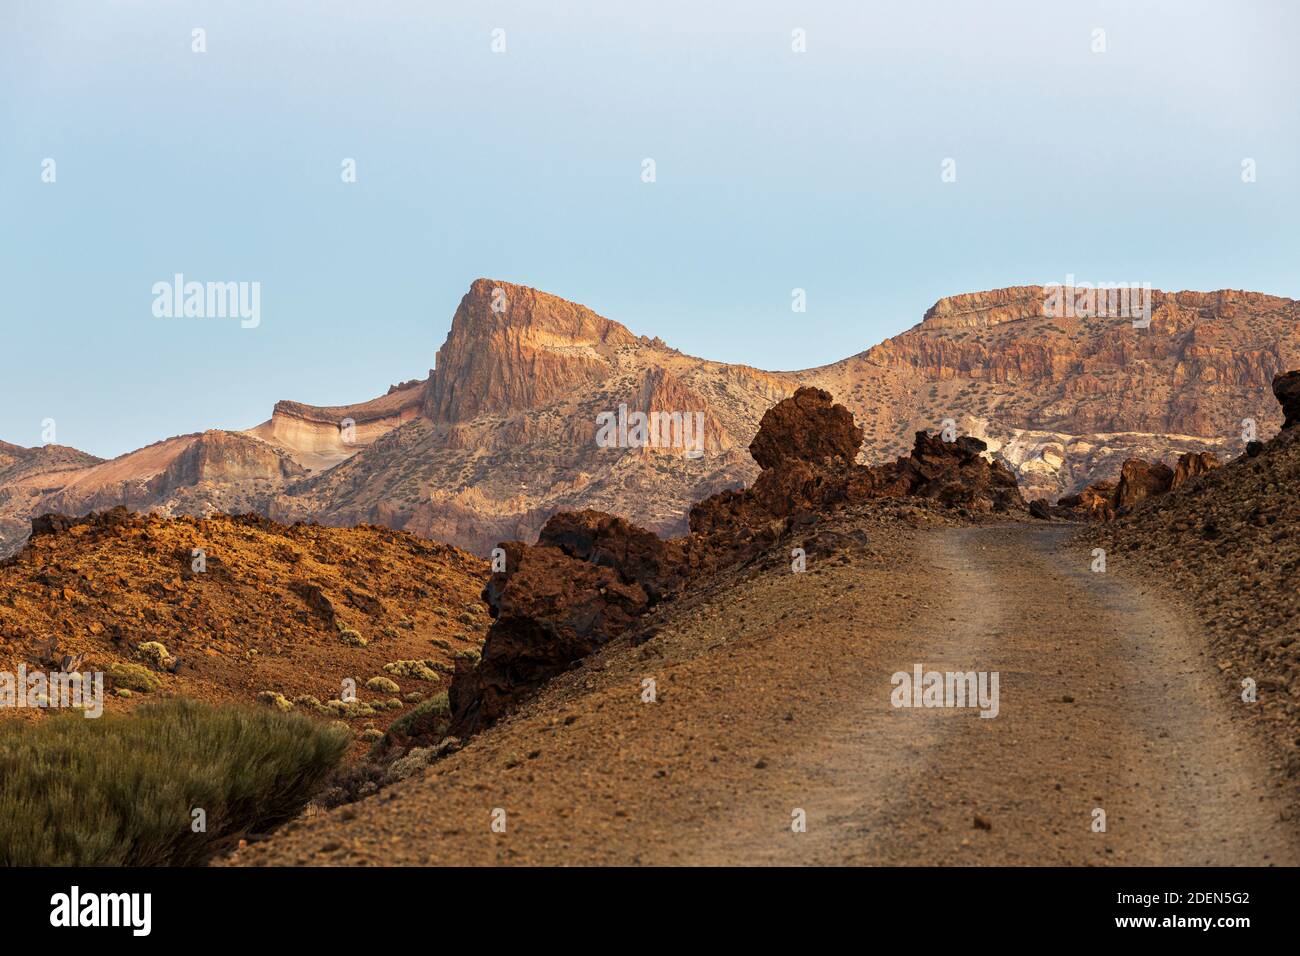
(1227,547)
(240,606)
(772,695)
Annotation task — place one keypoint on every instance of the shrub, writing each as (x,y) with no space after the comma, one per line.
(383,685)
(273,699)
(352,638)
(119,790)
(348,709)
(132,677)
(415,670)
(156,654)
(427,719)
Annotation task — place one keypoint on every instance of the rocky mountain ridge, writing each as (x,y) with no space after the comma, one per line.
(503,432)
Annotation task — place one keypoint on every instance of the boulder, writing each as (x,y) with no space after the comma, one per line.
(1140,480)
(1096,502)
(550,609)
(1286,389)
(1193,463)
(806,427)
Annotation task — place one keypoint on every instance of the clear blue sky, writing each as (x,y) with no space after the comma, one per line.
(775,170)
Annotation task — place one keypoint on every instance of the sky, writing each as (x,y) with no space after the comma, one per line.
(774,170)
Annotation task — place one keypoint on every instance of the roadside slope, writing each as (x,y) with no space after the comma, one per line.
(773,693)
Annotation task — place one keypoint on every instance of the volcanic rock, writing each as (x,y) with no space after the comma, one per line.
(1139,480)
(806,427)
(549,609)
(1096,502)
(1191,464)
(1286,389)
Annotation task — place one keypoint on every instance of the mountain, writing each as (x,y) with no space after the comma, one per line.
(505,431)
(198,474)
(27,477)
(1064,401)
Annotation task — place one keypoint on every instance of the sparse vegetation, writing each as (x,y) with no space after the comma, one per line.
(276,701)
(348,709)
(429,718)
(126,676)
(415,670)
(156,654)
(121,790)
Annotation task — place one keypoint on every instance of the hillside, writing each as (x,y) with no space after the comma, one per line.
(275,609)
(1227,544)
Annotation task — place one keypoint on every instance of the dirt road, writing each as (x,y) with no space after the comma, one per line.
(774,706)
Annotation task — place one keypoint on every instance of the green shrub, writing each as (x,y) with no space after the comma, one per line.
(352,638)
(120,790)
(156,654)
(415,670)
(427,719)
(132,677)
(383,685)
(272,699)
(348,709)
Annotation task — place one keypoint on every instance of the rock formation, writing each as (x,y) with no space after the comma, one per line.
(1286,389)
(1190,465)
(591,575)
(1139,480)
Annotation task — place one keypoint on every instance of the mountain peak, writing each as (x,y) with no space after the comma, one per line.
(512,347)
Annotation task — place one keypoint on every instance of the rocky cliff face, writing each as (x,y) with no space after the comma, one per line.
(512,348)
(510,430)
(1064,401)
(319,438)
(505,431)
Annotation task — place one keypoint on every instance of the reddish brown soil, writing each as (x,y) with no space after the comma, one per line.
(245,625)
(773,694)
